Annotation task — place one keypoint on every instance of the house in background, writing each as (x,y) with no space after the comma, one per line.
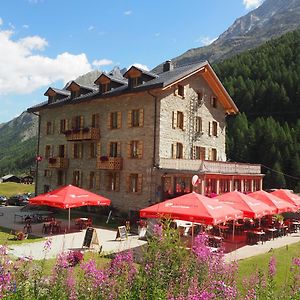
(26,179)
(139,137)
(11,178)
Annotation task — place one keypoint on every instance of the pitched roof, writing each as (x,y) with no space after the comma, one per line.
(163,80)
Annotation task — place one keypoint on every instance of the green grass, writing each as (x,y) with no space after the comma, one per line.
(7,238)
(10,188)
(284,256)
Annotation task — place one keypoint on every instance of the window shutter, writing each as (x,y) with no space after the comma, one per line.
(183,122)
(98,149)
(119,149)
(119,121)
(129,150)
(139,183)
(53,127)
(209,154)
(52,151)
(173,150)
(209,128)
(72,150)
(109,120)
(67,124)
(90,150)
(141,120)
(174,119)
(128,183)
(80,151)
(81,121)
(98,180)
(117,182)
(140,149)
(81,179)
(129,118)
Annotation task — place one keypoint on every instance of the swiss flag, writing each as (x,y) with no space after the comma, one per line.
(38,158)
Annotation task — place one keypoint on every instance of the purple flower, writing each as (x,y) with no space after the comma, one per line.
(272,266)
(296,261)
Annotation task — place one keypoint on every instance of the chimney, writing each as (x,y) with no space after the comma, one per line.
(168,66)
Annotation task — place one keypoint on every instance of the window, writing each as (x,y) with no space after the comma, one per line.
(49,128)
(113,149)
(77,150)
(136,118)
(198,125)
(47,173)
(180,119)
(214,154)
(63,126)
(134,183)
(114,121)
(135,149)
(74,94)
(92,180)
(177,150)
(47,151)
(77,122)
(215,128)
(51,99)
(181,90)
(213,101)
(133,82)
(199,153)
(77,176)
(61,151)
(93,150)
(113,181)
(60,177)
(95,121)
(104,87)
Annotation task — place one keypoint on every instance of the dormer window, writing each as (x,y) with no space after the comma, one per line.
(51,99)
(74,94)
(133,82)
(213,101)
(181,90)
(104,87)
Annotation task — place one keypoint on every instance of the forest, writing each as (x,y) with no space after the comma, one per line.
(265,85)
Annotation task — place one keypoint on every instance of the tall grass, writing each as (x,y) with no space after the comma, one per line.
(10,188)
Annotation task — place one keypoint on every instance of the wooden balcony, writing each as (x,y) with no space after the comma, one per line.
(88,133)
(207,166)
(111,163)
(58,162)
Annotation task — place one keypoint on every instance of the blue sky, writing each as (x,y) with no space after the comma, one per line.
(49,42)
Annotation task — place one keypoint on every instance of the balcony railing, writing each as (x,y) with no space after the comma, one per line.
(58,162)
(88,133)
(207,166)
(109,163)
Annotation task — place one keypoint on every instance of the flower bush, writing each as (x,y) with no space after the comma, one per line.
(166,270)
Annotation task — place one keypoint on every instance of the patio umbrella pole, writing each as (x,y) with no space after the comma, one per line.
(69,225)
(233,227)
(192,235)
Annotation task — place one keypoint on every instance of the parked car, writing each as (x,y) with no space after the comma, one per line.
(3,200)
(18,200)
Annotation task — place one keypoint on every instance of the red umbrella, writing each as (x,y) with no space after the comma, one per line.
(287,196)
(68,197)
(251,207)
(279,204)
(192,207)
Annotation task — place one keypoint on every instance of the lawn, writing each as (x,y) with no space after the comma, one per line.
(284,256)
(7,238)
(10,188)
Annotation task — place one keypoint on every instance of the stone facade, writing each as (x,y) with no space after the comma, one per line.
(157,132)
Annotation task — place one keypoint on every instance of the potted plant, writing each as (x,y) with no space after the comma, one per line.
(76,130)
(103,158)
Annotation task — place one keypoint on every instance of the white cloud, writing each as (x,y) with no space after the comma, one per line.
(1,21)
(144,67)
(101,62)
(251,4)
(91,28)
(22,71)
(127,12)
(25,26)
(205,40)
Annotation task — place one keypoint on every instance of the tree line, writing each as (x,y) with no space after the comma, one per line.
(264,83)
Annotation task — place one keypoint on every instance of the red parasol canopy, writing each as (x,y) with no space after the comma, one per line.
(68,197)
(192,207)
(279,204)
(251,207)
(287,196)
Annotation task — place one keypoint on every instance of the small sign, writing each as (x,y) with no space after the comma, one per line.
(121,233)
(91,238)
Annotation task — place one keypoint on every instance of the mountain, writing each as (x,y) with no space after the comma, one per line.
(272,19)
(18,144)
